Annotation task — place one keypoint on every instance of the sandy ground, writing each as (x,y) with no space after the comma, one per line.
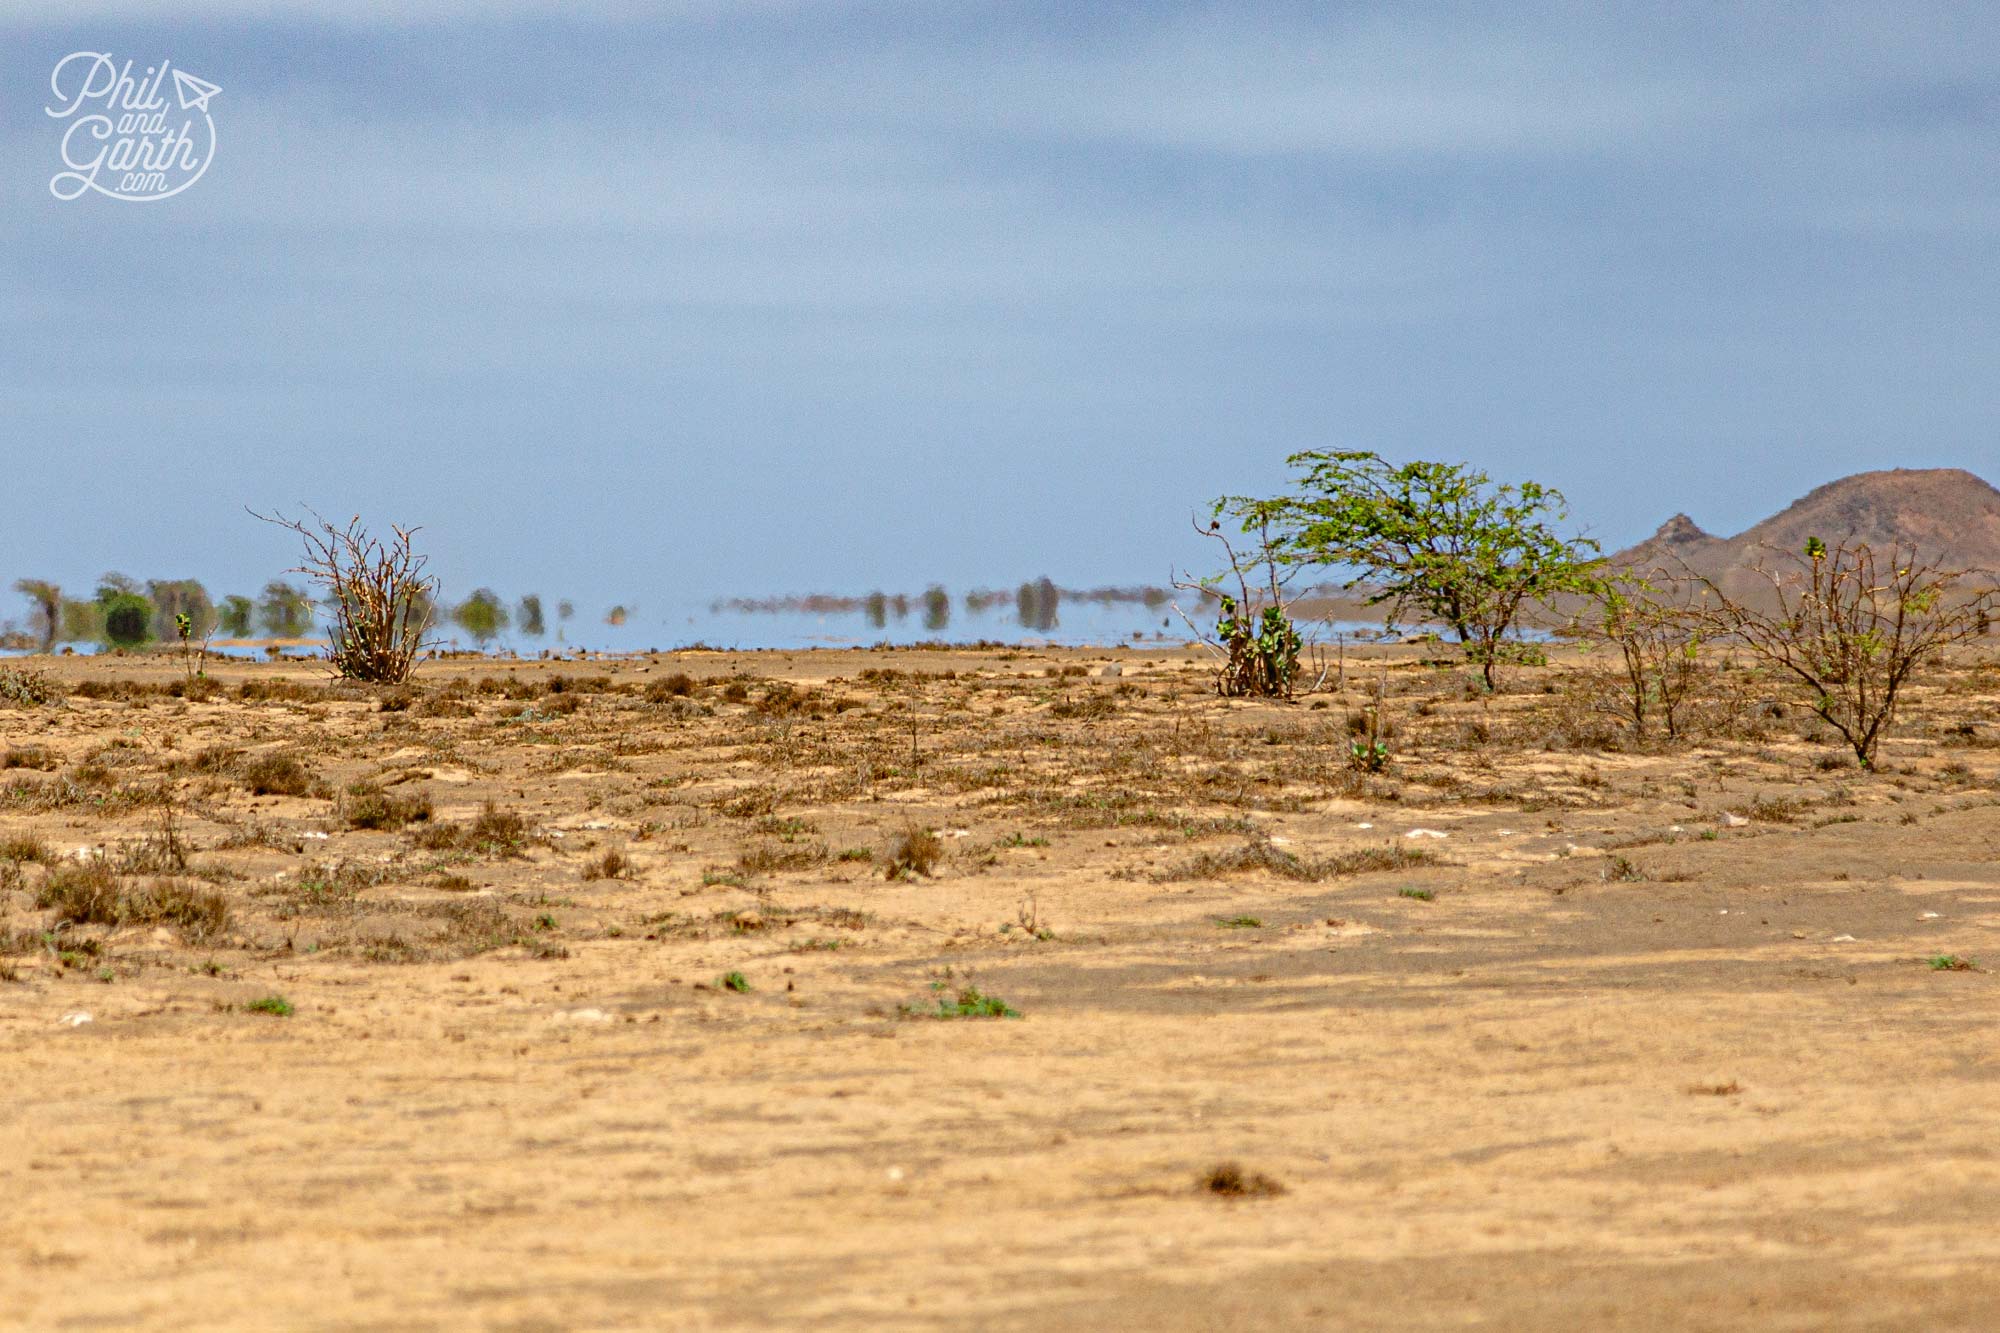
(1679,1037)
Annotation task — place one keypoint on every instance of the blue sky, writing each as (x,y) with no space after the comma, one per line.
(767,296)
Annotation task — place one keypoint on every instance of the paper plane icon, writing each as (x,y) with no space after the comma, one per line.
(194,93)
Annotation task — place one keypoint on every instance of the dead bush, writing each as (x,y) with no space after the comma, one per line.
(495,832)
(381,598)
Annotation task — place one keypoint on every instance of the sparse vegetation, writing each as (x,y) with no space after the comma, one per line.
(966,1002)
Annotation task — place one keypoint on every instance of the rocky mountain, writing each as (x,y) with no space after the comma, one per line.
(1947,513)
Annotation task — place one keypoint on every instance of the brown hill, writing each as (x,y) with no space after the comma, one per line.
(1946,513)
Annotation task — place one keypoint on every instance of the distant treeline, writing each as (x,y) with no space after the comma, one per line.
(122,612)
(1036,604)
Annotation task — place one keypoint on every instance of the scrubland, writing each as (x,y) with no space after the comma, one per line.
(999,989)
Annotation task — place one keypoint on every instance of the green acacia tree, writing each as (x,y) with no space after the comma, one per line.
(125,615)
(285,611)
(233,616)
(173,598)
(534,623)
(1441,538)
(482,615)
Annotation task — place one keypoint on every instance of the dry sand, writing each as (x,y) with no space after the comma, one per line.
(1664,1049)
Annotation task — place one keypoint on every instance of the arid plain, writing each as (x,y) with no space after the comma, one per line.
(1007,989)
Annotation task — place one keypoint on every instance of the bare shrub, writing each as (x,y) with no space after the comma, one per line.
(1654,630)
(495,832)
(37,757)
(19,847)
(1230,1181)
(1851,628)
(381,598)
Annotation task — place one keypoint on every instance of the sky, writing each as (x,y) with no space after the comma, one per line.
(759,296)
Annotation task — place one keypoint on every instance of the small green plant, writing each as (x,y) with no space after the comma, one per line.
(275,1005)
(1368,756)
(1420,895)
(1023,840)
(970,1003)
(1254,634)
(735,981)
(194,658)
(1951,962)
(1369,751)
(1241,923)
(1263,653)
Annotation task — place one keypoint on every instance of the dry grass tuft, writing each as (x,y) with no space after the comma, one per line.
(278,775)
(1259,855)
(83,893)
(367,806)
(614,864)
(916,852)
